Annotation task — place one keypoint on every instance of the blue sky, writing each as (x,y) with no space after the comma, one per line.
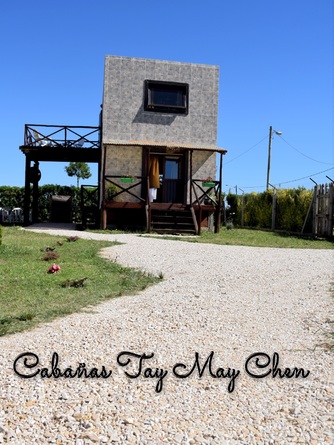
(276,69)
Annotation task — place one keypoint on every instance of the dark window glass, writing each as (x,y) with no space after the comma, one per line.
(167,97)
(172,169)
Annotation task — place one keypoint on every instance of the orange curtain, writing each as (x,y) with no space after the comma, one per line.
(154,172)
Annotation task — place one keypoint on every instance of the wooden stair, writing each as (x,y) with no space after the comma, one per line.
(173,221)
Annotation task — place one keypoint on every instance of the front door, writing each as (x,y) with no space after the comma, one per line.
(172,186)
(171,174)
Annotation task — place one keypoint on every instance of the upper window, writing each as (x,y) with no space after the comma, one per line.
(166,97)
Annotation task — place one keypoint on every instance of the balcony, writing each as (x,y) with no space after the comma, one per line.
(62,143)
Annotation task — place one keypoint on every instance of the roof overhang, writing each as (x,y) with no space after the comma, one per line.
(170,145)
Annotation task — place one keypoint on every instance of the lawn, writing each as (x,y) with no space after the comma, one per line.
(257,238)
(29,295)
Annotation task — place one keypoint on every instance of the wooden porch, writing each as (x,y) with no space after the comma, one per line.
(178,218)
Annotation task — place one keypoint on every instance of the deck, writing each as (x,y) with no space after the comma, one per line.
(61,143)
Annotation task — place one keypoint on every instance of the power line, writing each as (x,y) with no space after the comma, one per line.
(288,182)
(305,177)
(298,151)
(249,149)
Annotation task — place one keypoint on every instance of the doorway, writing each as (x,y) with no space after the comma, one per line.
(171,178)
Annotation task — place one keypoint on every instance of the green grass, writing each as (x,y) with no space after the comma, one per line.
(29,295)
(257,238)
(243,237)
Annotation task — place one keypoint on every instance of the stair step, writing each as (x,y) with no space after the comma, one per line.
(173,221)
(175,231)
(172,226)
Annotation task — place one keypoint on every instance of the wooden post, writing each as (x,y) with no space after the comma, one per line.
(104,219)
(35,194)
(191,178)
(148,207)
(242,209)
(100,182)
(308,211)
(103,213)
(148,204)
(218,210)
(315,210)
(197,229)
(330,209)
(26,206)
(325,209)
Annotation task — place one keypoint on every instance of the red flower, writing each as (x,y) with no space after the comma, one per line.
(54,268)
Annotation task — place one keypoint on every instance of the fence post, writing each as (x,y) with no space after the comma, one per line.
(242,209)
(315,211)
(330,209)
(308,211)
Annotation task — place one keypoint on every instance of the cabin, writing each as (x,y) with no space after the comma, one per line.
(159,145)
(156,147)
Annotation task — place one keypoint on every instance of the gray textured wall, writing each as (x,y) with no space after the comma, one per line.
(124,117)
(124,161)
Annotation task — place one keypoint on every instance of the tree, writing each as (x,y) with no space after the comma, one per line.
(79,169)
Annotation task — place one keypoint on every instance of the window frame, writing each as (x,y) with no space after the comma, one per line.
(149,104)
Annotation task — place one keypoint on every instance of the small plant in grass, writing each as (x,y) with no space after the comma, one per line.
(54,268)
(25,317)
(229,225)
(72,238)
(48,249)
(50,256)
(74,283)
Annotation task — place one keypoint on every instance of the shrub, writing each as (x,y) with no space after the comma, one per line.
(12,197)
(291,209)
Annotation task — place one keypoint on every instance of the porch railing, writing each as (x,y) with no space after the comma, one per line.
(126,189)
(115,180)
(36,135)
(203,196)
(89,203)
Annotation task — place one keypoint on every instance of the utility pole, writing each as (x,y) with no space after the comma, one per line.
(269,155)
(279,133)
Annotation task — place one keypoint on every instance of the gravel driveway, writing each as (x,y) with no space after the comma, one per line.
(186,346)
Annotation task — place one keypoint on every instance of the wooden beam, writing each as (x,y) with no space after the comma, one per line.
(219,206)
(26,205)
(35,194)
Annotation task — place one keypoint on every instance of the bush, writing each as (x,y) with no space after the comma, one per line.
(291,209)
(12,197)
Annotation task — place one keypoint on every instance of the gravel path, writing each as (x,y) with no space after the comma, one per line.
(217,305)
